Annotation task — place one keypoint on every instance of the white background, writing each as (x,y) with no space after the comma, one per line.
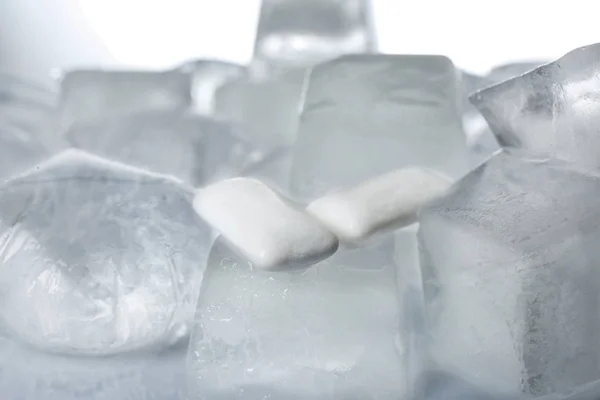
(36,35)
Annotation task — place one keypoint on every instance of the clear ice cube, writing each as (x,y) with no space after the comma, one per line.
(26,374)
(207,77)
(511,279)
(19,151)
(266,113)
(92,95)
(327,332)
(100,257)
(29,108)
(300,33)
(194,149)
(552,110)
(364,115)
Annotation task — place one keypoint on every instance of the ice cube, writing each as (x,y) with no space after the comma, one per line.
(510,70)
(510,276)
(262,225)
(392,199)
(552,110)
(29,108)
(91,95)
(328,332)
(26,374)
(19,151)
(192,148)
(100,257)
(207,77)
(300,33)
(266,113)
(364,115)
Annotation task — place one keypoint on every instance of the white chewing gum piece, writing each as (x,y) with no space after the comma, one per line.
(263,227)
(392,199)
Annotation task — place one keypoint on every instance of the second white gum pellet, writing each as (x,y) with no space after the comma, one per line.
(391,199)
(263,227)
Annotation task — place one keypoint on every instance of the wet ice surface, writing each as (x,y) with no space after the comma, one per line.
(392,199)
(552,110)
(293,33)
(328,332)
(403,109)
(192,148)
(26,374)
(101,258)
(510,277)
(263,226)
(91,95)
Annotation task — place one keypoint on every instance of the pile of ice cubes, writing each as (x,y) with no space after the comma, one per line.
(327,222)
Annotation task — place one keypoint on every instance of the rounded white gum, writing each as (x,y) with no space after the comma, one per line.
(392,199)
(262,226)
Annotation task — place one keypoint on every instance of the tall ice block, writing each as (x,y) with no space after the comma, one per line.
(364,115)
(101,257)
(91,95)
(511,279)
(299,33)
(328,332)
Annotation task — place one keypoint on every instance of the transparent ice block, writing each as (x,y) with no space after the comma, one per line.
(511,279)
(207,78)
(327,332)
(100,257)
(364,115)
(91,95)
(300,33)
(28,107)
(195,149)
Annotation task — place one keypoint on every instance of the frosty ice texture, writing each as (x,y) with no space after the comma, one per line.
(192,148)
(207,77)
(100,257)
(552,110)
(300,33)
(366,115)
(328,332)
(91,95)
(511,279)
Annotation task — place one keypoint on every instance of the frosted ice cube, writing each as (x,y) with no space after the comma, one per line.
(207,77)
(274,169)
(328,332)
(26,374)
(366,115)
(266,113)
(262,225)
(389,200)
(300,33)
(28,107)
(510,276)
(552,110)
(91,95)
(192,148)
(510,70)
(100,257)
(19,151)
